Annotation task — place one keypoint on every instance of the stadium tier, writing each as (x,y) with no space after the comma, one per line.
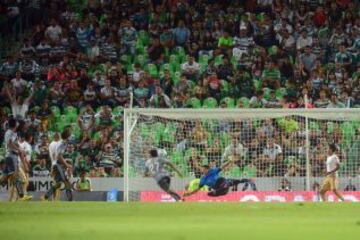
(267,85)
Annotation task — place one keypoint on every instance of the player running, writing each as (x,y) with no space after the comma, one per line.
(59,166)
(24,166)
(155,167)
(12,171)
(219,186)
(331,179)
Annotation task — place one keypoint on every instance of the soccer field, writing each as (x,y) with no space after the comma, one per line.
(290,221)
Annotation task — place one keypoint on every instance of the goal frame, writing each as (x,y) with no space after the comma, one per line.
(131,117)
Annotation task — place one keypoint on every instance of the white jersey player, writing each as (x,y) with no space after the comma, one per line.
(155,167)
(331,179)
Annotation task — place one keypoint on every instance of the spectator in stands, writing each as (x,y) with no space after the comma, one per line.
(258,101)
(53,32)
(127,34)
(40,169)
(181,34)
(92,173)
(272,58)
(294,170)
(350,187)
(199,136)
(19,105)
(108,158)
(323,101)
(271,76)
(83,184)
(304,40)
(272,154)
(285,185)
(214,153)
(195,160)
(190,69)
(334,102)
(235,152)
(160,99)
(156,52)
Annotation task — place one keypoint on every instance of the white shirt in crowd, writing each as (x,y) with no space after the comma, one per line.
(137,76)
(194,67)
(232,150)
(302,42)
(331,162)
(18,83)
(272,152)
(20,110)
(53,32)
(106,91)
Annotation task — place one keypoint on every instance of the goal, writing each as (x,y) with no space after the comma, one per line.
(279,149)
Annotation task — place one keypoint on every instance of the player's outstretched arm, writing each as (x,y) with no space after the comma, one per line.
(175,169)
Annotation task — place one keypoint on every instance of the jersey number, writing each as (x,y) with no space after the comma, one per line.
(154,167)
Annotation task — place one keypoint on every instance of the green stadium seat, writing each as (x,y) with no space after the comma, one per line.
(168,67)
(267,93)
(314,126)
(210,102)
(130,68)
(177,158)
(257,84)
(125,59)
(184,169)
(181,54)
(144,37)
(280,93)
(204,59)
(141,59)
(218,60)
(118,110)
(56,111)
(194,102)
(245,101)
(230,102)
(176,77)
(249,171)
(225,139)
(140,49)
(235,172)
(169,133)
(224,88)
(144,130)
(153,71)
(70,110)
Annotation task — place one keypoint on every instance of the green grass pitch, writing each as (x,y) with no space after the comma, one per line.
(179,221)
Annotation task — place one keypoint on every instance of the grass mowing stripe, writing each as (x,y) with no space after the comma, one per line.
(89,220)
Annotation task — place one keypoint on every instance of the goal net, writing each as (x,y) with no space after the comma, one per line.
(277,149)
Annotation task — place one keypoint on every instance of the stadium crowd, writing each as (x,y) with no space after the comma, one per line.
(85,60)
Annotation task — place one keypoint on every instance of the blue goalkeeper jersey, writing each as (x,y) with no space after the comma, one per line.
(210,178)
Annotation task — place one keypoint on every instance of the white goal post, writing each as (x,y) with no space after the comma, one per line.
(272,144)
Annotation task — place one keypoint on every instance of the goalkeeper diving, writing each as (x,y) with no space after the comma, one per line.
(217,185)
